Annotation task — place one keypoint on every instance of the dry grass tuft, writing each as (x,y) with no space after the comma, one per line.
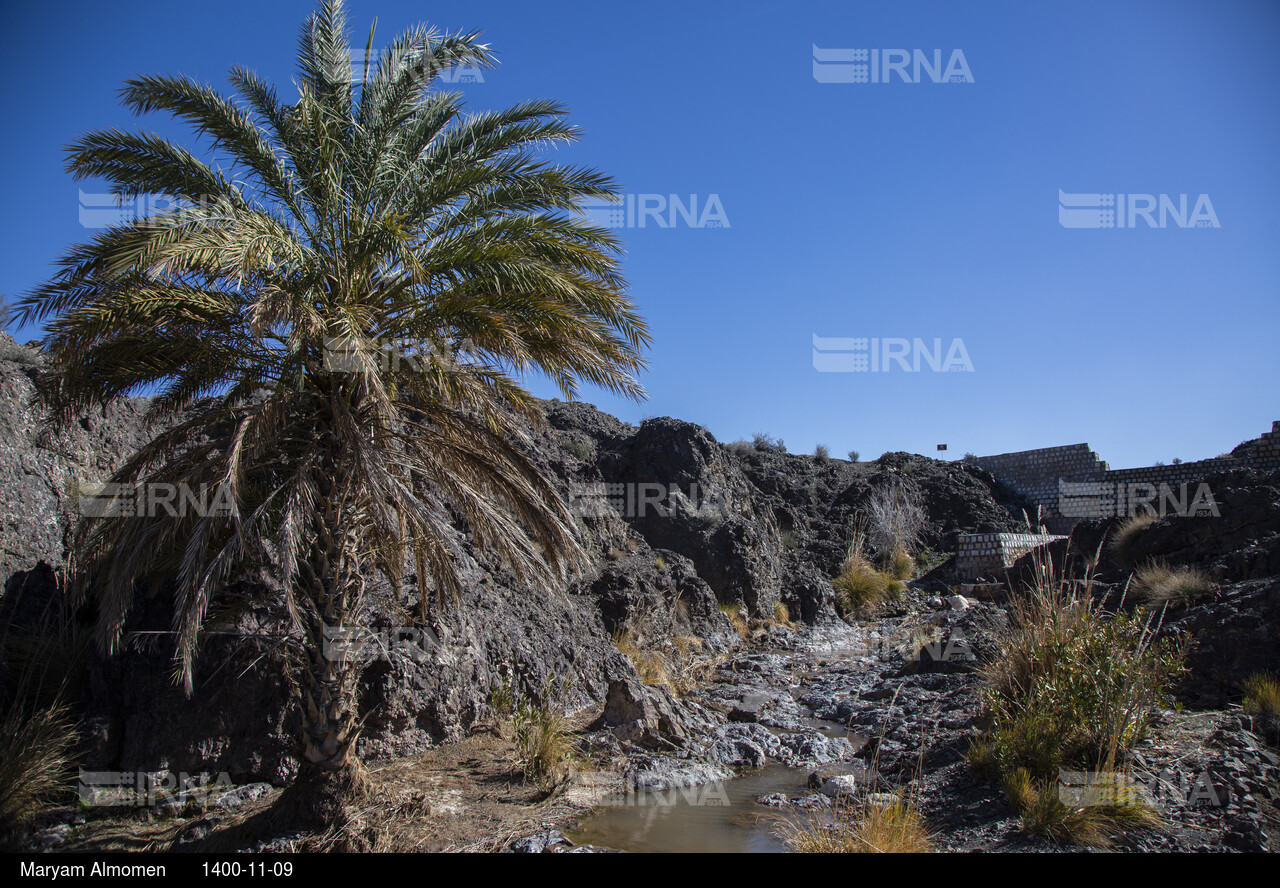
(43,665)
(36,763)
(897,517)
(782,616)
(861,826)
(1120,544)
(981,756)
(651,665)
(659,642)
(859,584)
(1092,822)
(1159,584)
(737,618)
(901,565)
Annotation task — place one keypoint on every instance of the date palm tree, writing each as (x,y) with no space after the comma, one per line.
(333,324)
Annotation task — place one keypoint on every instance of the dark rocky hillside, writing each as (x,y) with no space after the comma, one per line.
(714,535)
(683,526)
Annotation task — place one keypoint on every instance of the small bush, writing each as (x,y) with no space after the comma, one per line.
(853,456)
(859,584)
(1262,693)
(543,742)
(502,699)
(767,443)
(788,539)
(583,449)
(1121,543)
(1159,583)
(822,453)
(1073,687)
(896,518)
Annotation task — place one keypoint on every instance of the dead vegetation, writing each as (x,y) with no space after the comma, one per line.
(663,648)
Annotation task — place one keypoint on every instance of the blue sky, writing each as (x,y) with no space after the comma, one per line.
(896,210)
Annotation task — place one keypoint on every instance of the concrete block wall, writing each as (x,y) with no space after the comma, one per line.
(1265,452)
(987,554)
(1039,475)
(1035,474)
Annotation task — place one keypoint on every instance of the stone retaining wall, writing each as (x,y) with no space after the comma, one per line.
(1070,483)
(987,554)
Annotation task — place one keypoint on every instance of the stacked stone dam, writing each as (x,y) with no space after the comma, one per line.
(1071,483)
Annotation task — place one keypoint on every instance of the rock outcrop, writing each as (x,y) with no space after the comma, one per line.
(685,519)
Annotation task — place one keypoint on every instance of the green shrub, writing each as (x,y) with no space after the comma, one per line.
(583,449)
(1072,687)
(543,741)
(1262,693)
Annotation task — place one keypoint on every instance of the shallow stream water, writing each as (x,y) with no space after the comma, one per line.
(716,817)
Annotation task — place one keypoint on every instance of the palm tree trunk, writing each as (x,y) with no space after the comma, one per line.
(330,777)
